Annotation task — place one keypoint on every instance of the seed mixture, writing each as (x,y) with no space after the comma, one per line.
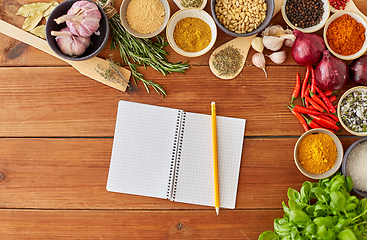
(353,111)
(304,13)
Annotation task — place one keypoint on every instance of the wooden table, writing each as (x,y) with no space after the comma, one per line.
(57,129)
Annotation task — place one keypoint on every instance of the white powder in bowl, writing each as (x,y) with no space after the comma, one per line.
(357,166)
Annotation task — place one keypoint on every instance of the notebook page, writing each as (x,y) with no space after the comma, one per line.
(142,149)
(195,182)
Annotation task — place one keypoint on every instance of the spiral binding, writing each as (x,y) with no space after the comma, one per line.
(176,155)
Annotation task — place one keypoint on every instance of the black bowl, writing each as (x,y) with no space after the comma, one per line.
(97,42)
(344,171)
(261,27)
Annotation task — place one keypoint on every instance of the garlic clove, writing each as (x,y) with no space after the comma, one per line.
(257,44)
(278,57)
(273,43)
(288,42)
(258,60)
(274,30)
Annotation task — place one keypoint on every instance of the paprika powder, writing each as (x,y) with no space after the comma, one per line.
(345,35)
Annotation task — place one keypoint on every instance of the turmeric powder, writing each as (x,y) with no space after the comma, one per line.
(317,153)
(192,34)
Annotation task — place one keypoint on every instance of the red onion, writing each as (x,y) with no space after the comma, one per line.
(358,71)
(331,73)
(307,48)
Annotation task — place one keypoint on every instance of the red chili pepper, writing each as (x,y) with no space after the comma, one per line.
(312,107)
(313,80)
(332,98)
(314,124)
(307,104)
(332,116)
(297,87)
(325,123)
(300,118)
(301,109)
(304,85)
(308,90)
(313,103)
(326,100)
(320,102)
(329,93)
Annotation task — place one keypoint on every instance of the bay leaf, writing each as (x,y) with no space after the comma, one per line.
(29,9)
(39,31)
(32,21)
(50,9)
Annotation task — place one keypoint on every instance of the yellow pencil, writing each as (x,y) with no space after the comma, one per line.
(215,157)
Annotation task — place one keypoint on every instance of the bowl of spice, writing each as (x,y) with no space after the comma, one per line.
(242,18)
(191,32)
(354,165)
(352,110)
(181,4)
(307,15)
(318,153)
(345,35)
(144,18)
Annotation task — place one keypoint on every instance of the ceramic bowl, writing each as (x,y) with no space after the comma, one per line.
(359,19)
(195,13)
(340,104)
(260,28)
(125,24)
(315,28)
(338,160)
(345,163)
(98,42)
(179,5)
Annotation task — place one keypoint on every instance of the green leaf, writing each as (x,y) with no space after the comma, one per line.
(29,9)
(342,223)
(282,229)
(339,200)
(328,221)
(311,229)
(325,234)
(337,183)
(348,183)
(286,209)
(299,217)
(351,207)
(305,191)
(320,194)
(293,194)
(347,234)
(295,234)
(292,204)
(268,235)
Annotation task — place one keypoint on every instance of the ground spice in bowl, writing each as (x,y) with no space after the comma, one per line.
(192,34)
(345,35)
(304,13)
(317,153)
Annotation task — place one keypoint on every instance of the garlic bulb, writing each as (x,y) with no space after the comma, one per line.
(82,18)
(70,44)
(257,44)
(258,60)
(278,57)
(274,30)
(273,43)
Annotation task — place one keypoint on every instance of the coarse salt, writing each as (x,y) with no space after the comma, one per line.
(357,166)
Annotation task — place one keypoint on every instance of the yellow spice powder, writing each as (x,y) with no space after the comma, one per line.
(317,153)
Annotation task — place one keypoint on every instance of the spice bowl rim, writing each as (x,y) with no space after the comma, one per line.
(344,164)
(178,3)
(260,28)
(356,17)
(338,160)
(363,134)
(98,42)
(125,24)
(190,12)
(312,29)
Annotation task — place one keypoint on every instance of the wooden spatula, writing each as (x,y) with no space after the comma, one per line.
(86,67)
(243,44)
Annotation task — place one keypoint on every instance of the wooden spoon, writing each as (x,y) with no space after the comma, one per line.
(242,44)
(85,67)
(350,6)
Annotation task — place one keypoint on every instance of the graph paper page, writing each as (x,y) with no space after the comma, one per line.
(142,149)
(195,183)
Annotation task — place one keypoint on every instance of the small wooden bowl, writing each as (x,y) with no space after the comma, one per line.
(338,161)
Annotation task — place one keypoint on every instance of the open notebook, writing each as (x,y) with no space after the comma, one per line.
(167,153)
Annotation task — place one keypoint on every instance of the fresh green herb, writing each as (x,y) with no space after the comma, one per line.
(335,215)
(140,52)
(113,73)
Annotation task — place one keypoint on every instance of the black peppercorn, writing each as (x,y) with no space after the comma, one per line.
(304,14)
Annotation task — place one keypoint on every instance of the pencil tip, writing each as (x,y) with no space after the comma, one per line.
(217,210)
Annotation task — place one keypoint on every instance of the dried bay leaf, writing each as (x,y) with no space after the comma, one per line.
(30,9)
(32,21)
(39,31)
(50,9)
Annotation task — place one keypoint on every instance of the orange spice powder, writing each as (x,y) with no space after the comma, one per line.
(345,35)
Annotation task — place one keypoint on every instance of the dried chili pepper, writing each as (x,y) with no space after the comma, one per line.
(304,110)
(313,80)
(332,98)
(314,124)
(304,85)
(325,123)
(332,116)
(300,118)
(297,87)
(319,102)
(313,103)
(326,100)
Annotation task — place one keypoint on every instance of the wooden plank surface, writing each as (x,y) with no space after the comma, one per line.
(56,135)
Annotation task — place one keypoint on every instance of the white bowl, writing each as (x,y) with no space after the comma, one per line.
(340,103)
(125,24)
(359,19)
(178,3)
(315,28)
(338,161)
(190,12)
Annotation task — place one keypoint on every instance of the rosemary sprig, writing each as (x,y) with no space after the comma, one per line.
(141,52)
